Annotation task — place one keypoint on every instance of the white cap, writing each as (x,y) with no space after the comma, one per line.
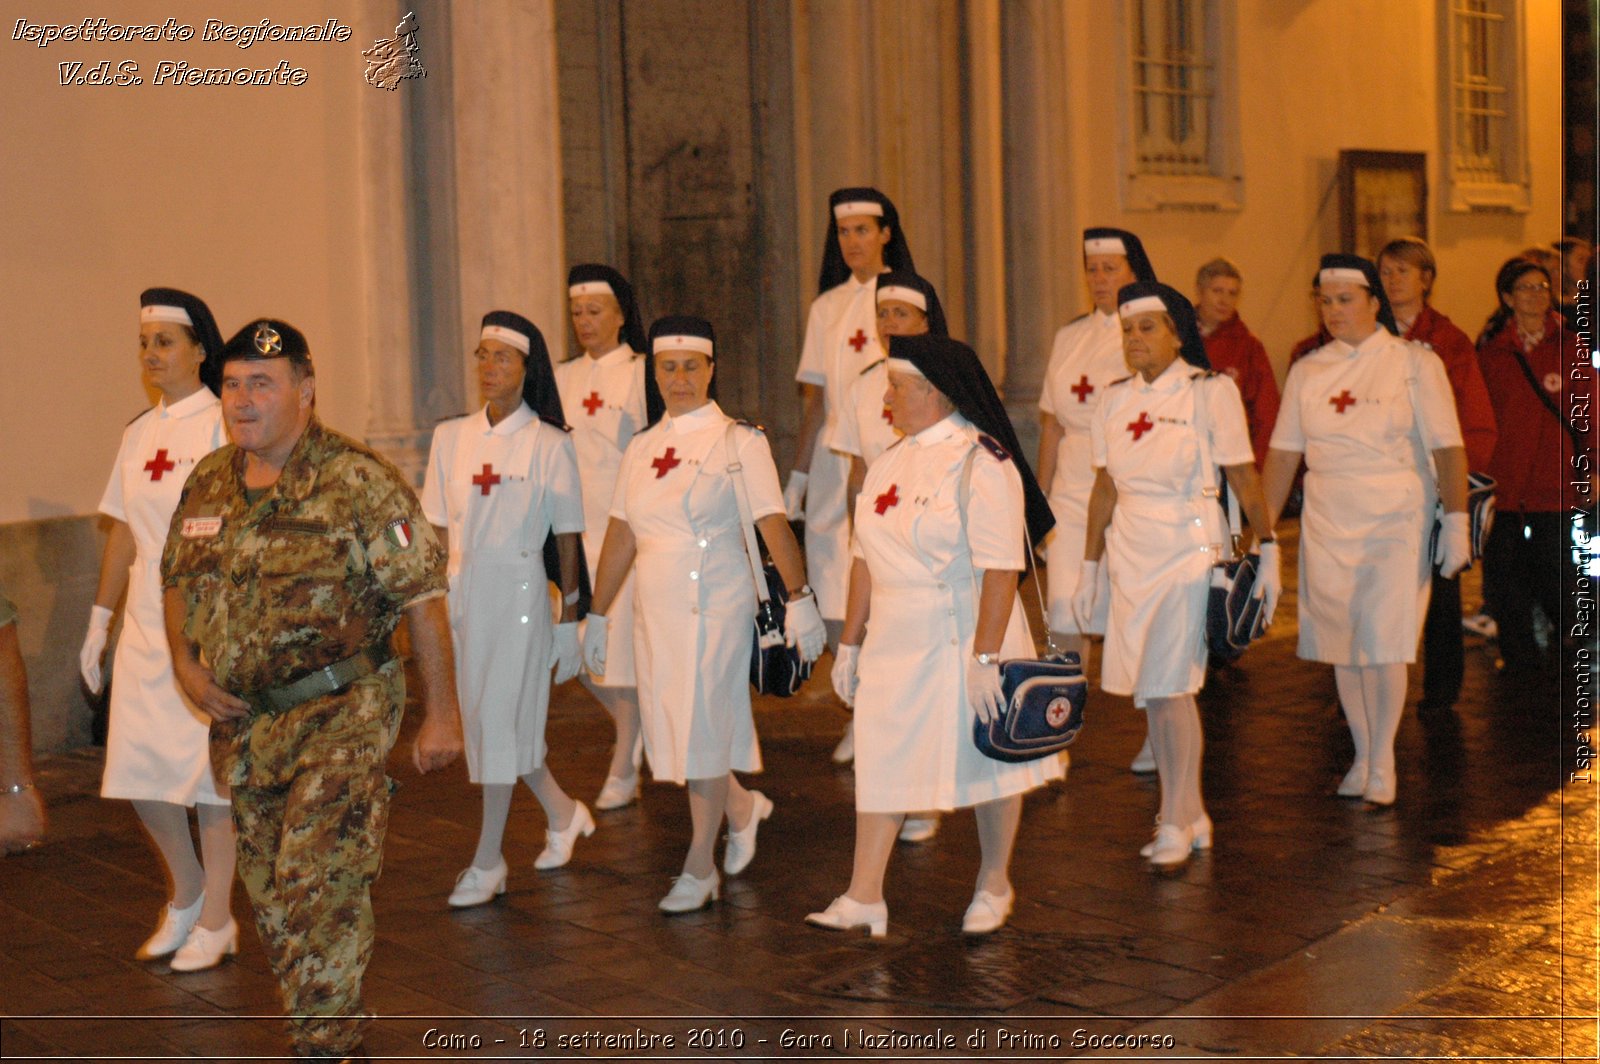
(900,365)
(165,312)
(1104,245)
(590,288)
(508,336)
(845,210)
(682,343)
(904,295)
(1342,273)
(1141,305)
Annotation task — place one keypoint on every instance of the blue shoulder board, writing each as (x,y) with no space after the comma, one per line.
(555,423)
(990,444)
(750,425)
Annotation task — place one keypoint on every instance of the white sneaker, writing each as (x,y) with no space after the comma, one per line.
(688,893)
(478,885)
(618,792)
(1144,762)
(741,848)
(845,752)
(172,931)
(919,828)
(988,912)
(558,844)
(205,948)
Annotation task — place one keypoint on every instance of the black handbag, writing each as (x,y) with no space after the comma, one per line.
(775,668)
(1480,487)
(1044,697)
(1234,615)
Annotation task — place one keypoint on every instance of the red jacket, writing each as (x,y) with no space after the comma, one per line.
(1532,460)
(1233,349)
(1466,381)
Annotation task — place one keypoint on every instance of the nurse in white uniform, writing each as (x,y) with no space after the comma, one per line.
(605,395)
(863,240)
(1161,537)
(157,750)
(695,599)
(933,608)
(1367,411)
(499,483)
(1085,358)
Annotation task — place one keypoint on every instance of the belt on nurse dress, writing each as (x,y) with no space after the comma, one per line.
(328,680)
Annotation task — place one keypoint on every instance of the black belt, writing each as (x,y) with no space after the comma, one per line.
(330,679)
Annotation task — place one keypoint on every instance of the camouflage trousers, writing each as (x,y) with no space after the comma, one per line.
(308,854)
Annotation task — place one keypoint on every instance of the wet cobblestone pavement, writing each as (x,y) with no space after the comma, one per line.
(1459,924)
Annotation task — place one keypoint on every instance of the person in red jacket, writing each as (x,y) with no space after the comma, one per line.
(1407,270)
(1535,377)
(1233,349)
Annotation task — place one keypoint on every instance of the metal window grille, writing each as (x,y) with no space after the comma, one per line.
(1479,94)
(1173,86)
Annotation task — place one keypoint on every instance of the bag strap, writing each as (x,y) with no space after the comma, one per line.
(1209,486)
(752,549)
(963,498)
(1544,398)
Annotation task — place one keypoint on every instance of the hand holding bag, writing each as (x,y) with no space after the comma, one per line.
(1480,486)
(1234,613)
(1044,697)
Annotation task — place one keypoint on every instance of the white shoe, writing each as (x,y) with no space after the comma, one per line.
(845,752)
(919,828)
(172,931)
(844,913)
(988,912)
(618,792)
(1144,762)
(1202,837)
(478,885)
(1380,787)
(742,843)
(205,948)
(1172,845)
(1354,784)
(558,844)
(689,894)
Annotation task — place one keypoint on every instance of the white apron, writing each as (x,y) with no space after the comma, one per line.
(603,400)
(157,745)
(500,490)
(695,599)
(914,747)
(1085,359)
(1364,571)
(1160,547)
(841,338)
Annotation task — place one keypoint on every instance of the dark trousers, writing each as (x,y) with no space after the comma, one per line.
(1527,562)
(1443,650)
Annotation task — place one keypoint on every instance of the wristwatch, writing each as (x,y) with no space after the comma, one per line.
(805,589)
(987,659)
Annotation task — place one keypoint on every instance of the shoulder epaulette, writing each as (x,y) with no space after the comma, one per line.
(870,366)
(555,423)
(992,445)
(452,417)
(139,415)
(750,425)
(1120,380)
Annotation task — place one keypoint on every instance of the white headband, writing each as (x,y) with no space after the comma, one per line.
(1342,273)
(590,288)
(1105,245)
(1142,304)
(165,312)
(904,295)
(845,210)
(900,365)
(508,336)
(682,343)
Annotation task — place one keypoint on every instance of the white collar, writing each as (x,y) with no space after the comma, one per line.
(194,403)
(941,430)
(698,418)
(620,353)
(1168,380)
(1378,338)
(510,423)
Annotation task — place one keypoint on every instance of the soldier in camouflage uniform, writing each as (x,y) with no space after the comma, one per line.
(292,556)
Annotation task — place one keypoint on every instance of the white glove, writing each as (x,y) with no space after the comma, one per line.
(802,627)
(1269,581)
(1087,594)
(844,677)
(794,494)
(94,647)
(594,643)
(564,652)
(1454,552)
(983,690)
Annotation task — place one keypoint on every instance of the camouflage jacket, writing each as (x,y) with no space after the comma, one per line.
(319,567)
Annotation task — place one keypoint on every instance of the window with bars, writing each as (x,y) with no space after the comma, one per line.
(1481,74)
(1173,73)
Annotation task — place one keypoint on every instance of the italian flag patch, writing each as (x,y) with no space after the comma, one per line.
(398,534)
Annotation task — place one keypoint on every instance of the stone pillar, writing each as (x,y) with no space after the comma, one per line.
(985,188)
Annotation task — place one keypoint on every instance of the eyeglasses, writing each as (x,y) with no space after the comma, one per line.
(1531,286)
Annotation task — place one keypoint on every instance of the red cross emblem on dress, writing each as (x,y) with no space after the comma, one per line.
(593,403)
(1083,389)
(160,464)
(886,500)
(666,463)
(1342,400)
(858,341)
(487,479)
(1140,427)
